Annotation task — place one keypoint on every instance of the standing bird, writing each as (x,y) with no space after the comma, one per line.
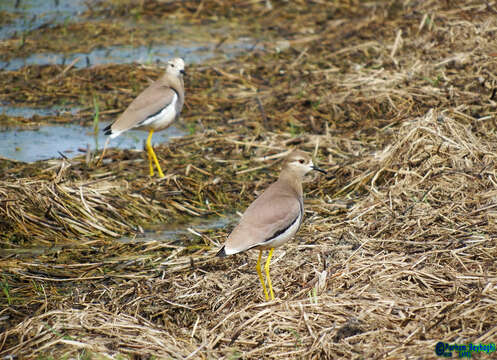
(274,217)
(154,109)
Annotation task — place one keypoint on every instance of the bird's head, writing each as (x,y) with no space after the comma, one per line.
(176,67)
(300,163)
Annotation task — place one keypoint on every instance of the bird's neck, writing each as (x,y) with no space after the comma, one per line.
(291,179)
(173,81)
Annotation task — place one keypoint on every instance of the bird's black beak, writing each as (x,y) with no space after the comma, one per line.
(183,72)
(318,169)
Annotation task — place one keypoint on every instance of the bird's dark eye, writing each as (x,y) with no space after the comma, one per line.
(172,65)
(301,161)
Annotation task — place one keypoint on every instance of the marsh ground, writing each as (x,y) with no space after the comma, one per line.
(398,248)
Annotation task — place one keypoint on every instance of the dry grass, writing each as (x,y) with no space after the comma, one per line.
(398,248)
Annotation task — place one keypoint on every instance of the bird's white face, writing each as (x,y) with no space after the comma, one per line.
(301,163)
(301,166)
(176,67)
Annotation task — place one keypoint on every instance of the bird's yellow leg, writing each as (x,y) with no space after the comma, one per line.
(150,163)
(152,156)
(266,267)
(259,272)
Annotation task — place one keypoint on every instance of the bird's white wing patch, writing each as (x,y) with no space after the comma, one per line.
(286,235)
(163,117)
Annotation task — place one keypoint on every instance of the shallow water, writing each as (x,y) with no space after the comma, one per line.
(29,112)
(179,231)
(31,14)
(162,233)
(28,251)
(192,53)
(47,142)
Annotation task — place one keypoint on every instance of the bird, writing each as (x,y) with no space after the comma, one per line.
(154,109)
(274,217)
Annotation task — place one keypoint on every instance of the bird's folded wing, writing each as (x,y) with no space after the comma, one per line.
(149,103)
(265,218)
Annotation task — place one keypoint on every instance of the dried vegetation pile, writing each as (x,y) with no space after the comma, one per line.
(398,248)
